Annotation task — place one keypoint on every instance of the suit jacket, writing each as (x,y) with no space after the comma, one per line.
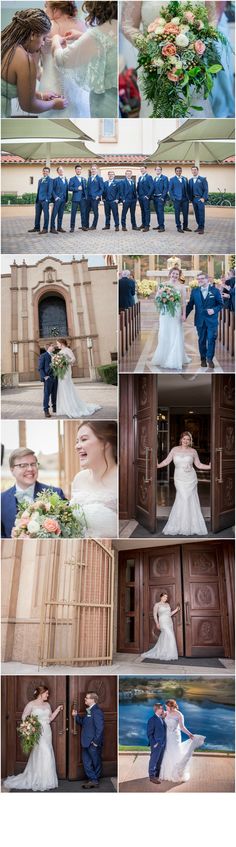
(199,188)
(145,186)
(212,301)
(92,727)
(126,292)
(160,186)
(60,189)
(9,506)
(78,185)
(95,187)
(127,192)
(111,192)
(45,365)
(178,190)
(45,188)
(156,730)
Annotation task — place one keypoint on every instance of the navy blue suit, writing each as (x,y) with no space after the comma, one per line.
(178,192)
(128,195)
(91,742)
(43,198)
(229,304)
(60,197)
(50,384)
(160,191)
(198,190)
(206,325)
(156,732)
(126,292)
(111,196)
(9,506)
(78,186)
(144,192)
(94,194)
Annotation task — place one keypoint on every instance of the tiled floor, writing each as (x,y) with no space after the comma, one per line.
(25,402)
(208,773)
(123,663)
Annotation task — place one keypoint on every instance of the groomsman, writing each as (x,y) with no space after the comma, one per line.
(198,194)
(44,196)
(111,196)
(60,197)
(160,191)
(78,186)
(144,191)
(94,194)
(178,191)
(128,195)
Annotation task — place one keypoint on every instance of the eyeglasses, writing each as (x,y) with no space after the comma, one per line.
(27,465)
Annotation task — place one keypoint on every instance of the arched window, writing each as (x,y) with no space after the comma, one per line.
(52,316)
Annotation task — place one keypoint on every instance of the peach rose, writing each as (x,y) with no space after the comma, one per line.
(174,77)
(154,24)
(171,29)
(189,16)
(50,525)
(23,522)
(199,47)
(169,50)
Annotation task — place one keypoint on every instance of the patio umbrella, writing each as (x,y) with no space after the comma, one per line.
(196,141)
(29,128)
(48,150)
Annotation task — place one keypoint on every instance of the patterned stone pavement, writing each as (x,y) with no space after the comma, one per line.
(208,773)
(218,238)
(25,402)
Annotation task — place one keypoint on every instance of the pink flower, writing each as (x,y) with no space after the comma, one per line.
(189,16)
(23,522)
(199,47)
(169,50)
(173,77)
(51,525)
(153,25)
(171,29)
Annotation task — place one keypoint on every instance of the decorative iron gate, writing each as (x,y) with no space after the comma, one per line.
(77,612)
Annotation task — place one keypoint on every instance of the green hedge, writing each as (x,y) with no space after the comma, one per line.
(108,373)
(29,199)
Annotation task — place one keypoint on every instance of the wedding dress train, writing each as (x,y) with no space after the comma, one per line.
(177,756)
(185,517)
(165,648)
(40,772)
(68,403)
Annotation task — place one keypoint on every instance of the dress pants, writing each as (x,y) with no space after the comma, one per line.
(49,390)
(111,206)
(57,212)
(92,762)
(207,336)
(128,205)
(155,760)
(159,209)
(199,211)
(41,206)
(181,206)
(145,211)
(82,206)
(92,206)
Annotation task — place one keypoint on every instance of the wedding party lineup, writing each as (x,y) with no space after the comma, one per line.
(118,397)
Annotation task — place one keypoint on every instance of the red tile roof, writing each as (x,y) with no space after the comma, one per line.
(114,159)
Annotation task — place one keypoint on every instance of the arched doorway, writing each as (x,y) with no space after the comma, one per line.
(52,316)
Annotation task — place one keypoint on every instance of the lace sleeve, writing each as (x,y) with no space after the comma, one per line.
(131,18)
(71,356)
(27,711)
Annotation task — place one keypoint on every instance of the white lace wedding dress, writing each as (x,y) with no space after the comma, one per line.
(170,352)
(40,772)
(185,517)
(99,505)
(165,648)
(68,403)
(177,756)
(65,83)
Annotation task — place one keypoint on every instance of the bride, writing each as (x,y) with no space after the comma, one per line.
(178,754)
(40,772)
(68,403)
(170,352)
(63,16)
(185,517)
(165,648)
(95,486)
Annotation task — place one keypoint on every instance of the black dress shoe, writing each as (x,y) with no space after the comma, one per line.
(161,229)
(201,232)
(47,415)
(133,227)
(124,228)
(72,230)
(90,784)
(43,232)
(61,230)
(179,229)
(55,411)
(186,229)
(156,227)
(117,228)
(211,364)
(33,230)
(84,228)
(92,227)
(104,227)
(203,363)
(197,230)
(54,231)
(145,228)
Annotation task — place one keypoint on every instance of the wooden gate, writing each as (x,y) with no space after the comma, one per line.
(77,613)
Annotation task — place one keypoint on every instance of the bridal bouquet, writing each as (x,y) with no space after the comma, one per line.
(180,57)
(49,517)
(29,732)
(60,365)
(168,299)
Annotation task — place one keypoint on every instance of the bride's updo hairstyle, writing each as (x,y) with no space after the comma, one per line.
(164,594)
(41,689)
(99,13)
(105,431)
(175,268)
(189,436)
(63,341)
(172,704)
(19,30)
(69,9)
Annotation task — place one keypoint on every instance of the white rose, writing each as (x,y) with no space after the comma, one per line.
(184,28)
(178,64)
(182,40)
(157,63)
(33,526)
(159,30)
(175,21)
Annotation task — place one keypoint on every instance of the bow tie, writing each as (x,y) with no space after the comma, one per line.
(88,710)
(28,494)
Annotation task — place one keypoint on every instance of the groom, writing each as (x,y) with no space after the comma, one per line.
(24,467)
(156,732)
(91,739)
(207,301)
(50,381)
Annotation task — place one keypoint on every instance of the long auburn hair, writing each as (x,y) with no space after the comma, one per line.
(99,13)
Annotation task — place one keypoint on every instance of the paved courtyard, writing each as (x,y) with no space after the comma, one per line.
(209,773)
(218,238)
(123,663)
(25,402)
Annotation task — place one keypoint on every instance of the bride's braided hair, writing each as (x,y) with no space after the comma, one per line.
(18,31)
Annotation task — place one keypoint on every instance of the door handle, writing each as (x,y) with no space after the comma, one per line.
(74,730)
(187,618)
(147,478)
(220,478)
(179,615)
(63,724)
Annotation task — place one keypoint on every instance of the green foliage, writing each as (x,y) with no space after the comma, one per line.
(108,373)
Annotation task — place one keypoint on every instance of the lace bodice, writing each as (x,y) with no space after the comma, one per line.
(183,461)
(172,722)
(163,610)
(99,504)
(99,72)
(43,713)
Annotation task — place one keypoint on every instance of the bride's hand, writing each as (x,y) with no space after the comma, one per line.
(49,95)
(73,35)
(59,103)
(58,41)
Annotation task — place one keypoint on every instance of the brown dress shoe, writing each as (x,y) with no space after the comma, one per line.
(211,364)
(155,780)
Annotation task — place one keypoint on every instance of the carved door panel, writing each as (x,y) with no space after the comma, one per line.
(145,387)
(223,446)
(162,572)
(129,606)
(205,601)
(106,688)
(16,692)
